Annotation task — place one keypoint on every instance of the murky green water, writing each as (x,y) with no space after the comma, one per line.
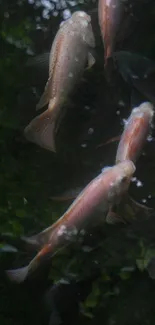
(103,279)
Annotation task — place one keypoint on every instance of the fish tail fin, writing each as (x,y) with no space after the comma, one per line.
(41,130)
(18,275)
(21,274)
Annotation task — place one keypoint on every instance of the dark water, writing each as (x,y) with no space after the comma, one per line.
(104,279)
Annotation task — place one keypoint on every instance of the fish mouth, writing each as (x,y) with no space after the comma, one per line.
(145,107)
(83,14)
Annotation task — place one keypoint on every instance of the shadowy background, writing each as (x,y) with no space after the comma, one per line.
(103,279)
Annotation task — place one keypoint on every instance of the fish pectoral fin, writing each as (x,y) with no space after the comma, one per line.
(41,130)
(109,141)
(18,275)
(139,208)
(113,218)
(91,60)
(45,98)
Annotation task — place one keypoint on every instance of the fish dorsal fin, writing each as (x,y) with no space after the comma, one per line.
(41,130)
(41,59)
(45,98)
(91,60)
(54,52)
(68,195)
(43,237)
(40,239)
(53,57)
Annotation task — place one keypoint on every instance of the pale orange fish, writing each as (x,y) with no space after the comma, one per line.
(99,195)
(132,141)
(135,133)
(70,52)
(114,17)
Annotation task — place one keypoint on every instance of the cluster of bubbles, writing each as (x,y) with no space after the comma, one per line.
(53,7)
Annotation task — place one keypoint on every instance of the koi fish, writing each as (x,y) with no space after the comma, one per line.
(70,52)
(130,146)
(131,143)
(135,133)
(114,16)
(99,195)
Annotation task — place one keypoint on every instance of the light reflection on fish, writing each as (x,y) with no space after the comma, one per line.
(99,195)
(135,133)
(70,52)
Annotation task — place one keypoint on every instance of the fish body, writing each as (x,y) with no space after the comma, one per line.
(70,52)
(101,193)
(135,133)
(113,21)
(130,146)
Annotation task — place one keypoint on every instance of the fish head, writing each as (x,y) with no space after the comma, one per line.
(81,15)
(83,23)
(145,107)
(135,132)
(126,169)
(144,114)
(121,175)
